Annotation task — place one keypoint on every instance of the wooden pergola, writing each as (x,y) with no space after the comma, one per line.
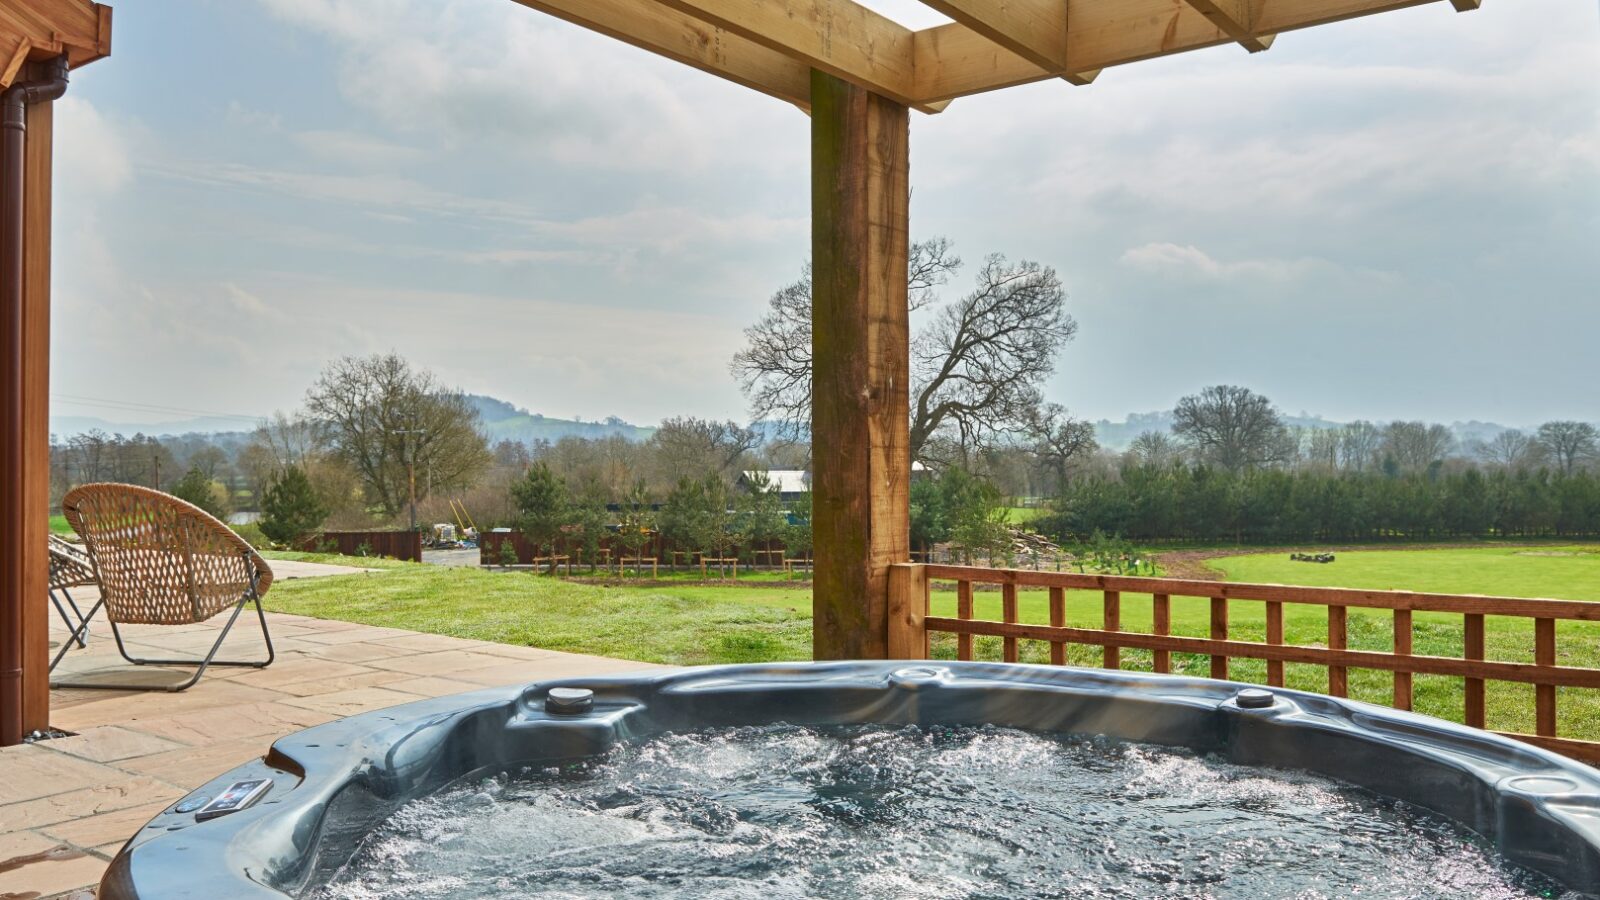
(858,74)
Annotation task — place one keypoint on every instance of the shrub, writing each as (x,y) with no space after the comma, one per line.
(252,534)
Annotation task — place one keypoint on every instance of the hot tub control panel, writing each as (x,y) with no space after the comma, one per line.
(239,795)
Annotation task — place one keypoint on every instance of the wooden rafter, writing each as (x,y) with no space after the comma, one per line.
(36,30)
(651,26)
(991,44)
(1237,19)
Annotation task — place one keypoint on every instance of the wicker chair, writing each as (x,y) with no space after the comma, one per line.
(163,561)
(69,568)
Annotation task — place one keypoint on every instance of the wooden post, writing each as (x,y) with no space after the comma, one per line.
(860,210)
(25,407)
(1338,639)
(1111,657)
(1161,620)
(1219,632)
(34,442)
(908,607)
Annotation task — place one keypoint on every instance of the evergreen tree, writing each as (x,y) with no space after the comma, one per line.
(542,508)
(200,490)
(290,508)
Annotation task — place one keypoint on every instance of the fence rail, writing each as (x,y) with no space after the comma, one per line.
(911,625)
(406,545)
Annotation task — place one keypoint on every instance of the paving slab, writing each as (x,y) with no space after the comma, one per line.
(67,805)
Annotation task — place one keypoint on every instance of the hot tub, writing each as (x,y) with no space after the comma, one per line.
(334,784)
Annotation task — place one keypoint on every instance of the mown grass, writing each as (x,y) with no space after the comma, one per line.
(675,624)
(58,525)
(689,624)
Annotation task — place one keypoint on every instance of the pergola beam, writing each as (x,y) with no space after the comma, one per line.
(954,61)
(649,25)
(1237,18)
(839,37)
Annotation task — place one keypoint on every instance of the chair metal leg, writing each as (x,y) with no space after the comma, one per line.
(204,663)
(77,636)
(62,612)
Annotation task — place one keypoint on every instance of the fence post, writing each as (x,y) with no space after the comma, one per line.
(908,608)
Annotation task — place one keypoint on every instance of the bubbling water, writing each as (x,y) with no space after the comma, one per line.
(779,811)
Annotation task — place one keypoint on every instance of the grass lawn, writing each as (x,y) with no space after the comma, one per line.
(1022,515)
(690,624)
(58,525)
(668,623)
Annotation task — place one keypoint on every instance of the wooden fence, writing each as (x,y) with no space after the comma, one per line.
(406,545)
(911,624)
(769,553)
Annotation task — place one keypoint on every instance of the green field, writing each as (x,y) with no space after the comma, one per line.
(58,525)
(691,624)
(666,623)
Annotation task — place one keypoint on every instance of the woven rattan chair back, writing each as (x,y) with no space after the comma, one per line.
(161,560)
(69,566)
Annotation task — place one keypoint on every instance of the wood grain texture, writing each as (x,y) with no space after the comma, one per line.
(1544,695)
(1058,618)
(1403,637)
(1112,621)
(1274,612)
(49,28)
(861,354)
(1219,632)
(1473,644)
(648,25)
(32,531)
(1338,639)
(908,607)
(1160,623)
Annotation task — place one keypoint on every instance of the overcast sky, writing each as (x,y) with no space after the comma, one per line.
(1390,217)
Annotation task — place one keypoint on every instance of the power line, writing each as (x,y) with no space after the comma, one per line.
(136,406)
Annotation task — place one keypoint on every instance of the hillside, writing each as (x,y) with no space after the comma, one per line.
(504,422)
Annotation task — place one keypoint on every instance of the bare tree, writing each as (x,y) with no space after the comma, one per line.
(690,447)
(1059,440)
(1232,427)
(1416,446)
(1358,445)
(1154,448)
(391,423)
(1569,443)
(976,365)
(1510,448)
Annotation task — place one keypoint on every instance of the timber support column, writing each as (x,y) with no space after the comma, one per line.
(861,481)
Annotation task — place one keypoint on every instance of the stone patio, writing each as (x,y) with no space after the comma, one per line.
(67,805)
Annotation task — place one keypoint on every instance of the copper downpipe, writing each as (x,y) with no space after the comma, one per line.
(15,554)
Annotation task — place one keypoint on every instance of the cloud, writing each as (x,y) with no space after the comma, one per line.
(1189,260)
(90,147)
(462,73)
(359,150)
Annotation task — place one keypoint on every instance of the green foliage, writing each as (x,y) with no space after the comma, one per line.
(1103,555)
(761,517)
(252,535)
(797,536)
(508,552)
(586,521)
(637,522)
(960,508)
(197,488)
(1202,503)
(290,508)
(542,506)
(696,515)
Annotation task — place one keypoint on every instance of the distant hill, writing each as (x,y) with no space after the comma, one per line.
(503,421)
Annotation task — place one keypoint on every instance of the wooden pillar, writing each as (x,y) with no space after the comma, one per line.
(861,482)
(32,532)
(24,509)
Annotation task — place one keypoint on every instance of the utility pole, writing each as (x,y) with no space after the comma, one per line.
(411,469)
